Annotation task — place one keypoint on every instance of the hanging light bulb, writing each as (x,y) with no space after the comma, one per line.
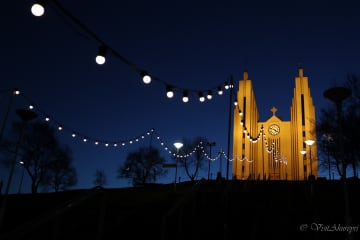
(209,95)
(145,77)
(201,97)
(100,57)
(16,92)
(169,92)
(220,91)
(185,97)
(235,102)
(37,9)
(226,85)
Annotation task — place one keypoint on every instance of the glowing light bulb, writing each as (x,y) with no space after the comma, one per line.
(100,59)
(169,92)
(37,10)
(146,78)
(185,97)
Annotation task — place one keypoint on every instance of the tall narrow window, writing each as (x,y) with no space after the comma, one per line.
(302,110)
(244,112)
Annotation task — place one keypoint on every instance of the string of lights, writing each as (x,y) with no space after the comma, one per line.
(236,158)
(175,153)
(280,158)
(221,153)
(107,143)
(253,139)
(38,10)
(76,135)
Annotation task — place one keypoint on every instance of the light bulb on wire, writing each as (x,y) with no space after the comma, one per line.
(201,97)
(185,97)
(37,9)
(169,92)
(209,95)
(220,91)
(100,57)
(145,77)
(16,92)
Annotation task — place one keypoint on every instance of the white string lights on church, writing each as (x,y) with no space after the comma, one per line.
(104,49)
(258,137)
(280,158)
(243,159)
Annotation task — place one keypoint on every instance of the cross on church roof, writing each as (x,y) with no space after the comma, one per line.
(273,110)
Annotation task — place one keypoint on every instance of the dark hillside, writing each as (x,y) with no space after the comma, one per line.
(202,210)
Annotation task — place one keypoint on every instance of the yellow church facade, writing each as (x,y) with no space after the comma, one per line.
(274,149)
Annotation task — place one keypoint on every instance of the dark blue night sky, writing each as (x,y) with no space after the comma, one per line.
(194,46)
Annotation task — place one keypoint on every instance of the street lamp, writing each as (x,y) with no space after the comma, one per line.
(177,145)
(25,115)
(338,95)
(310,142)
(210,144)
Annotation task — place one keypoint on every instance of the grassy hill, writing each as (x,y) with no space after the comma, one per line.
(201,210)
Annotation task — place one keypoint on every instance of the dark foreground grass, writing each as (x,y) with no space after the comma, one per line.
(201,210)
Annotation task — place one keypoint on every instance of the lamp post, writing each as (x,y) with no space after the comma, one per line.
(22,175)
(262,152)
(14,93)
(177,145)
(231,88)
(25,115)
(210,144)
(219,174)
(310,142)
(338,95)
(303,152)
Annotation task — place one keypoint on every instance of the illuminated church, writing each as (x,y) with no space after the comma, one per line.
(274,149)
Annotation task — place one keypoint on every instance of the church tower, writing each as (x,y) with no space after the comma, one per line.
(274,149)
